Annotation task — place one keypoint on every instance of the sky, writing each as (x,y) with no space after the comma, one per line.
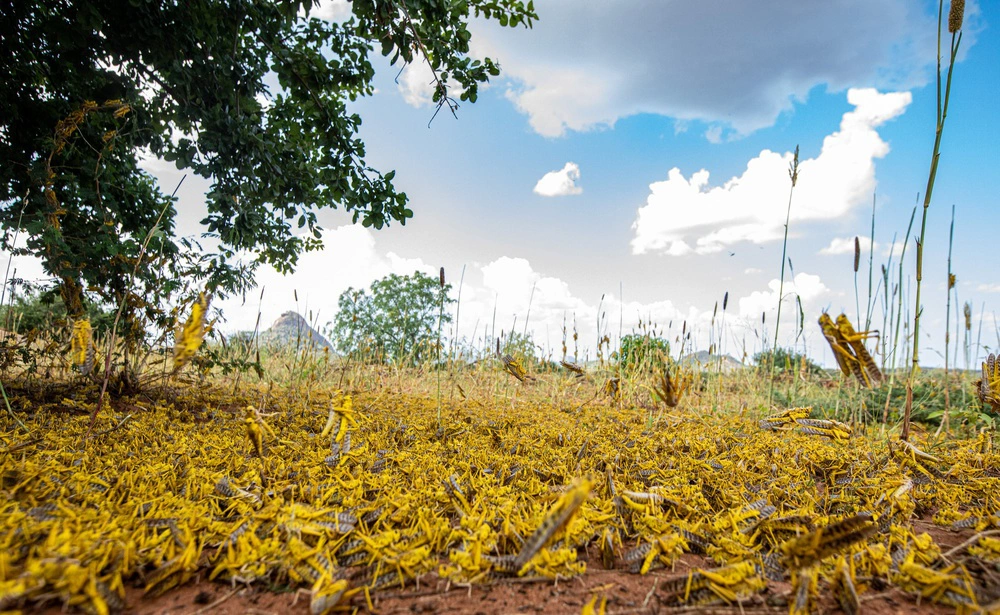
(631,163)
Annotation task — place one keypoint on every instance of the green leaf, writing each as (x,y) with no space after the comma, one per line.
(268,167)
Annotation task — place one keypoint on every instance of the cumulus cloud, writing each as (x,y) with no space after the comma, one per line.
(808,287)
(509,286)
(561,182)
(845,245)
(587,65)
(988,288)
(894,249)
(332,10)
(682,215)
(416,83)
(510,291)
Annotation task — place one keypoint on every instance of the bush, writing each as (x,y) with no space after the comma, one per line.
(640,352)
(786,361)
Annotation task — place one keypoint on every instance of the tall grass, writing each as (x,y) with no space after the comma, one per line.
(871,259)
(793,174)
(947,325)
(955,17)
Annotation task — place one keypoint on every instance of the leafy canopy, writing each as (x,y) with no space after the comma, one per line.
(252,94)
(396,320)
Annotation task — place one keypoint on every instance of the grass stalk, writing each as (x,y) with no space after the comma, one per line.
(793,174)
(121,308)
(954,26)
(857,264)
(898,315)
(871,263)
(947,329)
(455,338)
(438,362)
(979,331)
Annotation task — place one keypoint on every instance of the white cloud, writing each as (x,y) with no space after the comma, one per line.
(752,270)
(26,268)
(845,245)
(988,288)
(894,249)
(332,10)
(808,287)
(714,134)
(752,207)
(587,65)
(349,258)
(561,182)
(416,83)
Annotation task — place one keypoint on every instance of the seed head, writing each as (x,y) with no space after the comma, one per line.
(956,15)
(793,169)
(857,253)
(441,277)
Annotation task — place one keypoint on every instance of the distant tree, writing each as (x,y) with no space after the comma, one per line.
(640,351)
(396,320)
(786,360)
(521,346)
(41,310)
(90,87)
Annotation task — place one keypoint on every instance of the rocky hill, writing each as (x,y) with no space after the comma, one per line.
(291,329)
(703,360)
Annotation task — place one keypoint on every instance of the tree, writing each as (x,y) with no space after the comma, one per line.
(91,86)
(396,321)
(36,311)
(643,351)
(787,361)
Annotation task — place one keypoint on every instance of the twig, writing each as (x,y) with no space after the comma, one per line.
(10,410)
(649,594)
(115,428)
(439,86)
(970,542)
(209,607)
(16,447)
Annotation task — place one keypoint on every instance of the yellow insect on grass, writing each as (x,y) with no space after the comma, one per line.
(190,337)
(82,349)
(849,349)
(989,386)
(856,342)
(515,367)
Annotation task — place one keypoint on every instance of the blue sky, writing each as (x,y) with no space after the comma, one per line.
(609,98)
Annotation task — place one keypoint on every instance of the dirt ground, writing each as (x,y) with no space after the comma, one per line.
(626,594)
